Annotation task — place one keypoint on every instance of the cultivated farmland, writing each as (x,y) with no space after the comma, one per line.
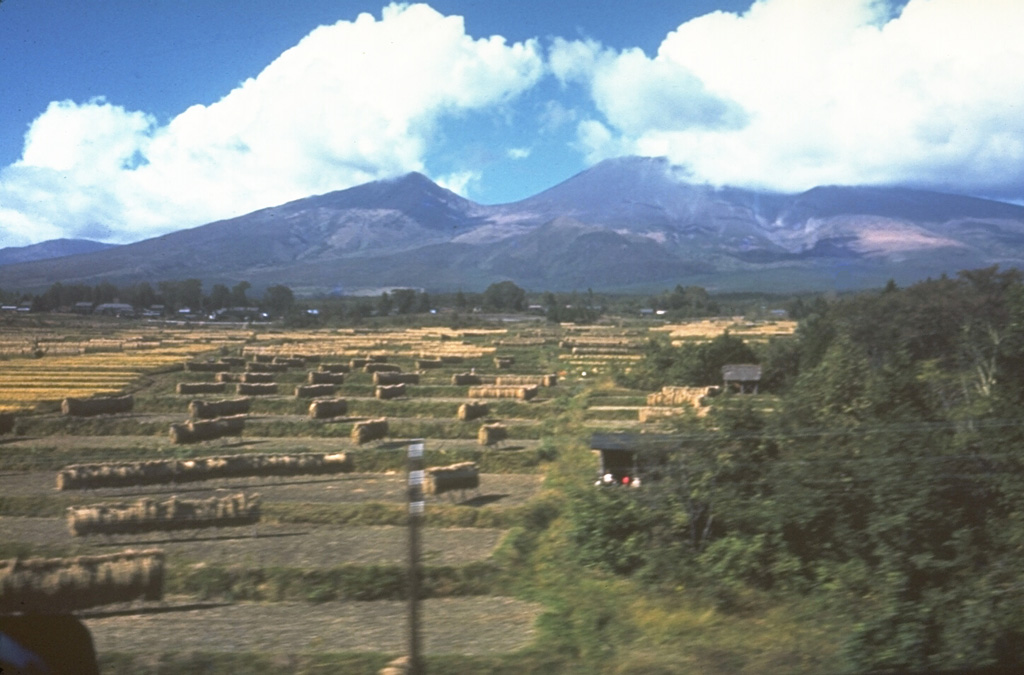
(317,573)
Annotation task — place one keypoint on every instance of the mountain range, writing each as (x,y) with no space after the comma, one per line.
(627,224)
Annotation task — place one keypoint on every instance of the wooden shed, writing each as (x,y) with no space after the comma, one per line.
(630,459)
(741,377)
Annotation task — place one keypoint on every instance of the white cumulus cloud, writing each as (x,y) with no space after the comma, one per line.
(796,93)
(352,102)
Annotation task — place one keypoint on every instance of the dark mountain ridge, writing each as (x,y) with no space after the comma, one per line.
(625,224)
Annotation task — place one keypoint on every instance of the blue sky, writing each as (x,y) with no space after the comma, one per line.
(122,120)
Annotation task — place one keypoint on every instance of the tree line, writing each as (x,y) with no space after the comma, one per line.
(883,475)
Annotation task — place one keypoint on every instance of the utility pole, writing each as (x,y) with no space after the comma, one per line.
(415,464)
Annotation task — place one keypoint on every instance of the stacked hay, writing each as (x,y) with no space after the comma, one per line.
(289,362)
(6,423)
(519,380)
(393,377)
(194,431)
(47,585)
(326,408)
(325,377)
(522,393)
(489,434)
(208,410)
(257,378)
(256,388)
(233,361)
(97,405)
(473,410)
(262,358)
(370,430)
(315,390)
(503,362)
(389,391)
(156,472)
(149,515)
(201,388)
(460,476)
(227,377)
(610,351)
(676,396)
(378,367)
(423,364)
(466,378)
(334,368)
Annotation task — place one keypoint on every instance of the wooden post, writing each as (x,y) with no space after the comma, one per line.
(416,504)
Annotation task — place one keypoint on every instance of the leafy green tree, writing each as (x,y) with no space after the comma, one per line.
(220,297)
(278,300)
(504,296)
(238,294)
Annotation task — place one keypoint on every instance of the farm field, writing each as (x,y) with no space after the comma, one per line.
(322,572)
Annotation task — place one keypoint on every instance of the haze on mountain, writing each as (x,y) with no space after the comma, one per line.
(626,224)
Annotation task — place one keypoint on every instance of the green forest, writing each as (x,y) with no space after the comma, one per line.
(877,486)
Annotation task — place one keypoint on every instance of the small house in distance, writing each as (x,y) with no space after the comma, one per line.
(629,459)
(741,377)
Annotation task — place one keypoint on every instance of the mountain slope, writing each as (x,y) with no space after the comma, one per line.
(47,250)
(627,223)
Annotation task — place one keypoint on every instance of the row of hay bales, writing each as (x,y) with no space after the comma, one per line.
(327,408)
(194,431)
(548,380)
(387,392)
(692,396)
(524,393)
(395,377)
(473,410)
(325,377)
(166,471)
(460,476)
(44,585)
(208,410)
(489,434)
(370,430)
(150,515)
(97,405)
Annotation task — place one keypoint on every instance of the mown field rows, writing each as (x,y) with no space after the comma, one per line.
(322,540)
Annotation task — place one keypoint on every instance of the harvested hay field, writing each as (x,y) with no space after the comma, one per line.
(285,545)
(475,625)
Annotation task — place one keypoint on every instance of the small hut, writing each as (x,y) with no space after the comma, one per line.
(629,459)
(741,377)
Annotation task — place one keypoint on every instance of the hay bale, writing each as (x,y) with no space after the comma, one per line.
(289,362)
(208,410)
(493,391)
(370,430)
(389,391)
(334,368)
(257,378)
(460,476)
(677,396)
(149,515)
(473,410)
(466,378)
(362,362)
(315,390)
(201,388)
(504,362)
(325,408)
(489,434)
(423,364)
(227,377)
(59,585)
(325,377)
(521,380)
(393,377)
(256,388)
(194,431)
(97,405)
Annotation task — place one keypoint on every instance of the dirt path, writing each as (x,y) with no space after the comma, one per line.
(478,625)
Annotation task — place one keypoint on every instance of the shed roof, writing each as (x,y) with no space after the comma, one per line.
(741,372)
(636,442)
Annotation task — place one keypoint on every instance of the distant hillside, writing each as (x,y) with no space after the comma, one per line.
(631,223)
(47,250)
